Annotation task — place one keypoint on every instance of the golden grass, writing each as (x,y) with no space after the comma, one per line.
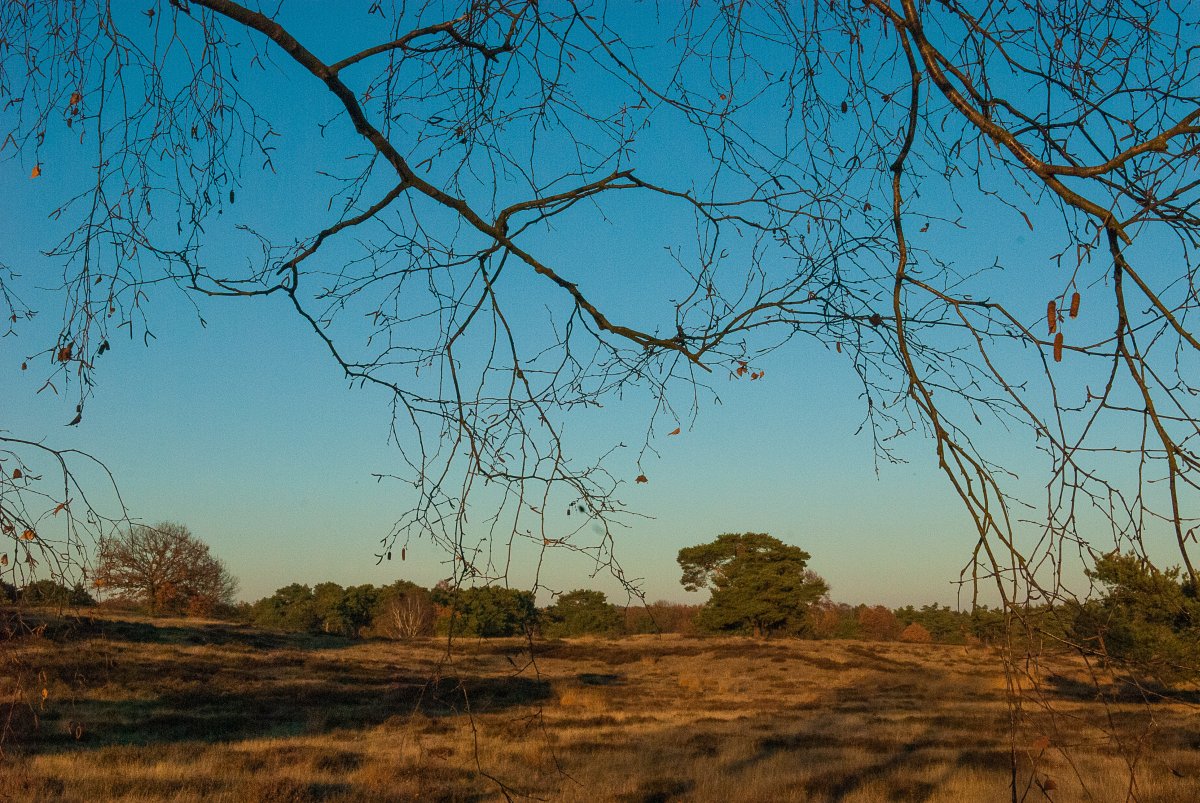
(183,711)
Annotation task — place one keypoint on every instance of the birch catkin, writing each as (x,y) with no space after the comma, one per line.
(1052,316)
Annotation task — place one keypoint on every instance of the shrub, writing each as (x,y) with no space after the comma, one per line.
(661,617)
(49,592)
(916,634)
(878,623)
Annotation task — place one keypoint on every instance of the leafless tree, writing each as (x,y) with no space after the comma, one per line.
(409,615)
(50,516)
(165,568)
(840,170)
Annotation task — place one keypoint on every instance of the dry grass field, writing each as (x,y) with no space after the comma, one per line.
(180,711)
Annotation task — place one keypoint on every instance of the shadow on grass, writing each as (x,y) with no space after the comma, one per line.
(894,767)
(848,757)
(292,707)
(612,653)
(1124,690)
(658,791)
(63,629)
(131,685)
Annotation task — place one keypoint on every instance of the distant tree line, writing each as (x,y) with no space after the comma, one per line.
(1142,618)
(931,623)
(48,593)
(405,610)
(401,610)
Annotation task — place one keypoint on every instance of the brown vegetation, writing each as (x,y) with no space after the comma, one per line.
(164,568)
(179,710)
(915,634)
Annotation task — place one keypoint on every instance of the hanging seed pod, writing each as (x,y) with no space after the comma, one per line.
(1058,346)
(1075,305)
(1052,316)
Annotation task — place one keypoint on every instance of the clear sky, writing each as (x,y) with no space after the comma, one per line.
(245,430)
(265,454)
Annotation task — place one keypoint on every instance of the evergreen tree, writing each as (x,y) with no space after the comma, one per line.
(484,611)
(1147,619)
(759,584)
(581,612)
(289,608)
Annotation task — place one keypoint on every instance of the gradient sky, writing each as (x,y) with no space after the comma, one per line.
(265,454)
(246,431)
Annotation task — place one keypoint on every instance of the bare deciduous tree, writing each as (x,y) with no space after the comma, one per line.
(408,615)
(51,509)
(165,568)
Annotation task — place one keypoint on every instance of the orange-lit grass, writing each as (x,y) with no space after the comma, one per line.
(184,711)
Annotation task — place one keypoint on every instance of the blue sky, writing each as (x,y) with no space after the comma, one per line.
(265,454)
(245,430)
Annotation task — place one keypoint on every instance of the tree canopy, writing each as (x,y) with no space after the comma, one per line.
(400,610)
(289,608)
(758,583)
(485,611)
(1147,620)
(581,612)
(165,568)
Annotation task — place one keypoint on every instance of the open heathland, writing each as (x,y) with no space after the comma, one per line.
(139,709)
